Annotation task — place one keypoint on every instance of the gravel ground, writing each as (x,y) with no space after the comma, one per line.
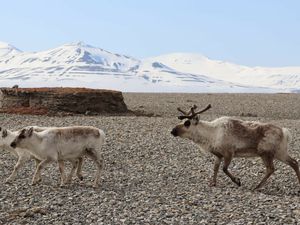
(151,177)
(277,106)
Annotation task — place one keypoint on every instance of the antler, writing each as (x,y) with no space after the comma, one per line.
(187,113)
(188,116)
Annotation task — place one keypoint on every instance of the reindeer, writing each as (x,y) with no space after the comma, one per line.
(59,144)
(7,136)
(228,137)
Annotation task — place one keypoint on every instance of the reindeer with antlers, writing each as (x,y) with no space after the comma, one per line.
(227,138)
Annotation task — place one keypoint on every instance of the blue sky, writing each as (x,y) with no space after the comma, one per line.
(254,32)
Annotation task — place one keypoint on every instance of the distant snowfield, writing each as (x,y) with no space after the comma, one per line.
(82,65)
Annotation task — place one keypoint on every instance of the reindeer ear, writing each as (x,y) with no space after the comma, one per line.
(4,133)
(30,131)
(23,131)
(196,119)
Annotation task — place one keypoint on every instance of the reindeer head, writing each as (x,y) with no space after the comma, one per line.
(183,130)
(6,137)
(22,135)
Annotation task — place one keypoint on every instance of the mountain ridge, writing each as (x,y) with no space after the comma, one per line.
(74,64)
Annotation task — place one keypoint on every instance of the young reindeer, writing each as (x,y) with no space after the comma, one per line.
(76,163)
(227,138)
(60,144)
(7,136)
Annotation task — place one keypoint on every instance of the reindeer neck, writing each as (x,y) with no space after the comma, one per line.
(204,134)
(37,137)
(34,139)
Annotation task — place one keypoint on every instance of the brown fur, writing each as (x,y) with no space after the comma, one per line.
(74,132)
(256,137)
(180,129)
(253,130)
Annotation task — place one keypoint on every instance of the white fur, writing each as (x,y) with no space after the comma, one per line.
(227,138)
(56,144)
(22,154)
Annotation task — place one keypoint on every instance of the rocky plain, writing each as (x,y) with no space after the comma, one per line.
(150,177)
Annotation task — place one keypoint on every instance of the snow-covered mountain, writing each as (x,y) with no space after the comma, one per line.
(7,50)
(284,78)
(79,64)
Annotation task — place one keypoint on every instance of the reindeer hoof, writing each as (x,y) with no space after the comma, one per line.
(238,181)
(212,184)
(95,185)
(36,181)
(68,181)
(256,188)
(8,180)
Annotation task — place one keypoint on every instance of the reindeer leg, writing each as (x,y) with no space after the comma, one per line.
(61,167)
(37,162)
(37,174)
(20,162)
(227,160)
(213,181)
(292,163)
(74,166)
(268,161)
(97,158)
(79,168)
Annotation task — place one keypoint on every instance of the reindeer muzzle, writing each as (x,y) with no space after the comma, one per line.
(13,145)
(174,132)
